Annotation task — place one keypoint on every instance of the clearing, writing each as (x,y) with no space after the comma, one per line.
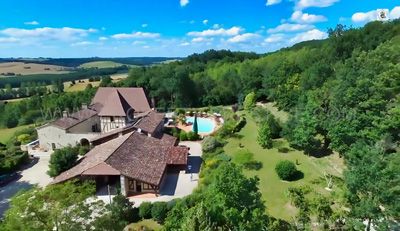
(80,86)
(7,133)
(30,69)
(272,188)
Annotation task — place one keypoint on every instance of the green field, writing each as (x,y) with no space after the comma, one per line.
(101,64)
(272,188)
(152,225)
(7,133)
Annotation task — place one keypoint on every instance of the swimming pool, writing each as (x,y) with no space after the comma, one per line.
(205,125)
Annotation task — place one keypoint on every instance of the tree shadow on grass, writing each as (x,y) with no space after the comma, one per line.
(320,152)
(298,176)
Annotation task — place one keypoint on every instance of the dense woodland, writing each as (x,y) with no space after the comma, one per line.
(343,95)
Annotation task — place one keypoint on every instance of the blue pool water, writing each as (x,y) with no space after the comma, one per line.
(204,124)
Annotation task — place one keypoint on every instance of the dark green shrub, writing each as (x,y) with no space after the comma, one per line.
(159,211)
(183,136)
(62,159)
(192,136)
(286,170)
(145,210)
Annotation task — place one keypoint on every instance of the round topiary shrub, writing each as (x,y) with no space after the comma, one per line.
(145,210)
(286,170)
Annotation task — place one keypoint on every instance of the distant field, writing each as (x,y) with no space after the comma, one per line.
(30,69)
(81,86)
(7,133)
(101,64)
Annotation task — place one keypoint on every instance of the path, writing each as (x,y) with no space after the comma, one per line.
(35,173)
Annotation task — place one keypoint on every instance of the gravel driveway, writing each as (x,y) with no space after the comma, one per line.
(31,175)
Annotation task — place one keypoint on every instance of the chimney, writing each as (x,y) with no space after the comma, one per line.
(84,106)
(65,114)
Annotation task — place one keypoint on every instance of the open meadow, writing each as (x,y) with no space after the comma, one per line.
(272,188)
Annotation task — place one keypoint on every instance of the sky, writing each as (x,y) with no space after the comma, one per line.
(172,28)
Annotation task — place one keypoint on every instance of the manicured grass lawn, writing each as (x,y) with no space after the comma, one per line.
(101,64)
(7,133)
(272,188)
(148,223)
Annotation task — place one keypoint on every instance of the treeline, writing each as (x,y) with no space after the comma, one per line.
(75,62)
(15,82)
(342,94)
(38,109)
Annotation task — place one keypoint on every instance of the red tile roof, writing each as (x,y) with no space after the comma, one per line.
(117,101)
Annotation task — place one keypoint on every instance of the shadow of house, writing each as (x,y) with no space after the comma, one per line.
(194,164)
(169,186)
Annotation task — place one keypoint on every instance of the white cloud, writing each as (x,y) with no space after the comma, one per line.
(395,13)
(138,42)
(34,23)
(361,17)
(308,35)
(102,38)
(301,17)
(289,27)
(184,2)
(275,38)
(216,32)
(64,34)
(216,26)
(83,43)
(243,38)
(144,25)
(136,35)
(201,39)
(272,2)
(302,4)
(364,17)
(205,21)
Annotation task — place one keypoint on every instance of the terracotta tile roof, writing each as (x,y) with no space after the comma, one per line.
(117,101)
(177,155)
(134,155)
(102,169)
(76,118)
(96,156)
(141,157)
(150,122)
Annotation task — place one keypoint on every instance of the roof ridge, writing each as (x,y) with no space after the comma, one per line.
(119,146)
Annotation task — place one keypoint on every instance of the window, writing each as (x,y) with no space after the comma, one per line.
(112,118)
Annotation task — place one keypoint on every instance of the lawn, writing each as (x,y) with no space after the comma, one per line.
(152,225)
(84,82)
(272,188)
(7,133)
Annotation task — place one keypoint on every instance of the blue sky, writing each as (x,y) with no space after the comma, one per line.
(120,28)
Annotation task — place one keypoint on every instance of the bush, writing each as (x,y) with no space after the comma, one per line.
(83,149)
(286,170)
(180,111)
(210,143)
(183,136)
(192,136)
(274,126)
(249,101)
(145,210)
(227,129)
(159,211)
(61,160)
(23,138)
(264,138)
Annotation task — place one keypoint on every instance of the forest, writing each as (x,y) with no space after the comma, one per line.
(342,95)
